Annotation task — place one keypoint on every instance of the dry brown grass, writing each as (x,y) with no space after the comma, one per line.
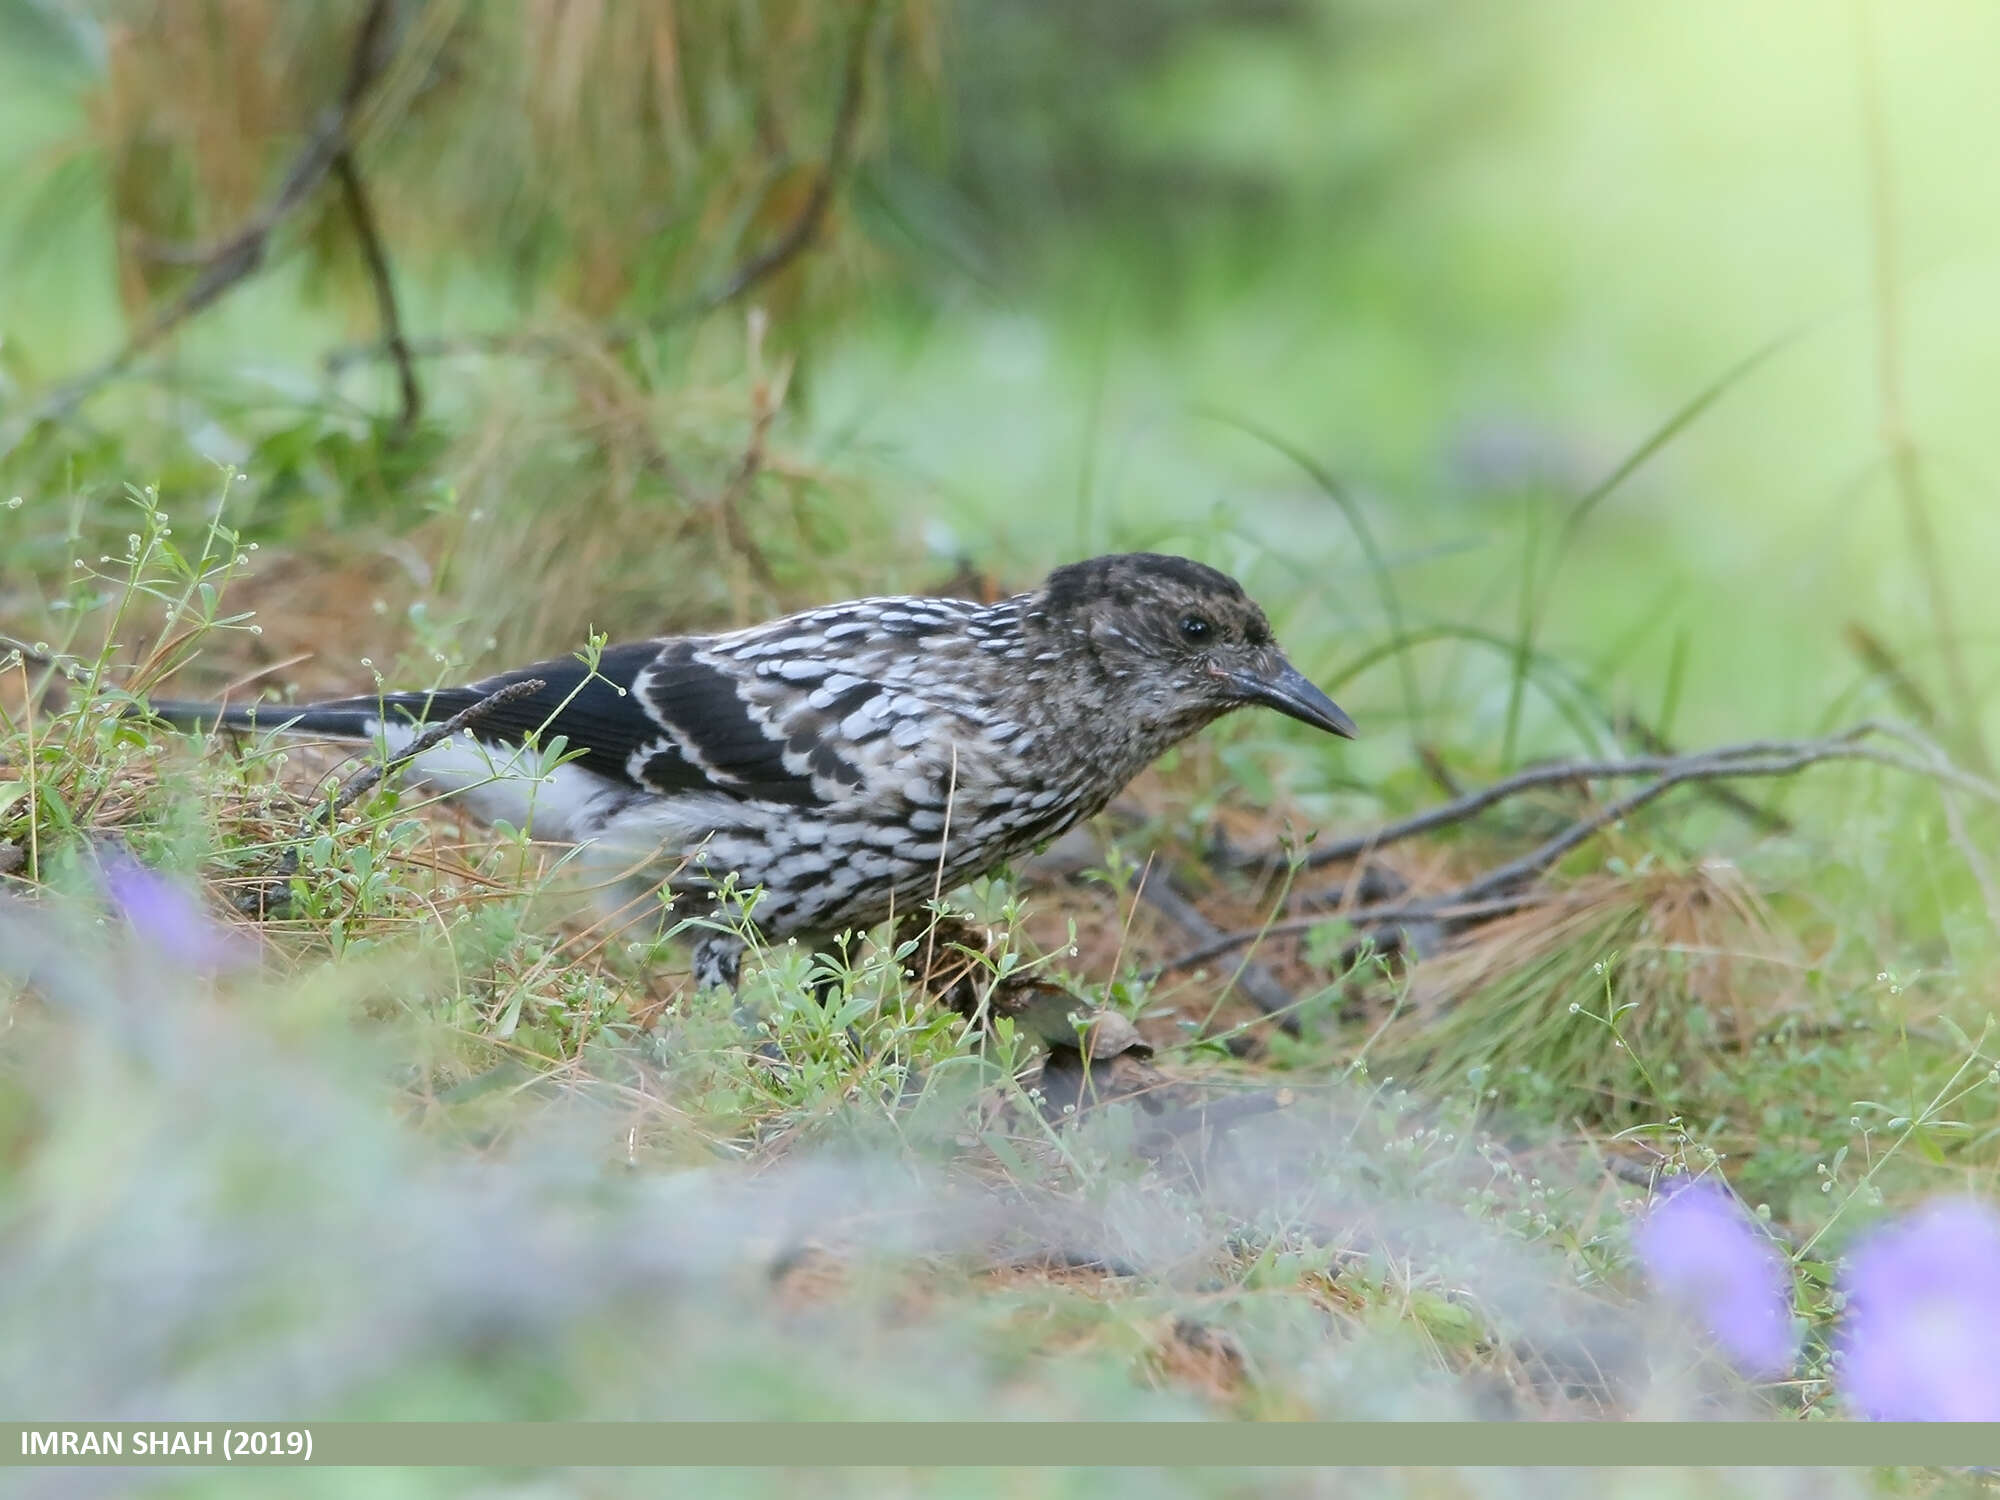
(613,151)
(1610,988)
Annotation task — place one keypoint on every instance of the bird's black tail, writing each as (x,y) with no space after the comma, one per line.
(337,718)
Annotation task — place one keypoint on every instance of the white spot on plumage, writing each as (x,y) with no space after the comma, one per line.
(501,783)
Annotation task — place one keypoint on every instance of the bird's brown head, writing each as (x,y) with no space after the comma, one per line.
(1180,643)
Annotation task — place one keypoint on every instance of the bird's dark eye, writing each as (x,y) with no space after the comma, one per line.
(1196,630)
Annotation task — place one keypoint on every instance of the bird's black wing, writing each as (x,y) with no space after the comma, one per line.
(714,731)
(595,712)
(653,717)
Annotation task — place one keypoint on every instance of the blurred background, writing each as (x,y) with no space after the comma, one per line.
(1566,379)
(1091,278)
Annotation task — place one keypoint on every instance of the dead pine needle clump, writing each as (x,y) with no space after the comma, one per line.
(1604,1000)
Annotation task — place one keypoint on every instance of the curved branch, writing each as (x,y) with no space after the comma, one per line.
(361,214)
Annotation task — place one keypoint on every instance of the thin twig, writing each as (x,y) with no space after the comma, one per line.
(1375,917)
(766,396)
(1165,896)
(790,242)
(257,899)
(43,658)
(242,254)
(1371,884)
(1876,656)
(45,690)
(361,214)
(1720,793)
(1435,768)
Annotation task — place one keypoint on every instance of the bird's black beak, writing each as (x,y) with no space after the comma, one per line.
(1292,694)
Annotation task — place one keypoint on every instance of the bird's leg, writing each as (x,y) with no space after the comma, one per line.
(943,965)
(718,965)
(826,987)
(718,961)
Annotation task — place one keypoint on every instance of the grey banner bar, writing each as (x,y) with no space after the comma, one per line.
(1802,1444)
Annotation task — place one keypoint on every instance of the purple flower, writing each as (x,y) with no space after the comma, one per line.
(1705,1255)
(1920,1341)
(167,918)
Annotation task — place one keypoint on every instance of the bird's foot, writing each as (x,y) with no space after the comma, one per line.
(718,962)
